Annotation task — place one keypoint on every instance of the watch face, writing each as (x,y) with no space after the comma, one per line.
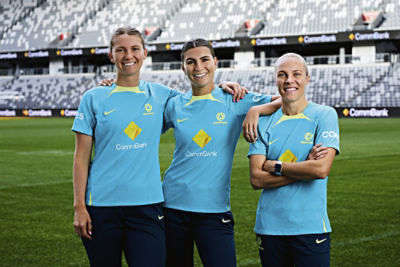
(278,167)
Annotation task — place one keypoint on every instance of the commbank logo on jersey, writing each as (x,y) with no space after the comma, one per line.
(220,116)
(201,138)
(308,138)
(79,116)
(330,134)
(148,107)
(288,156)
(132,131)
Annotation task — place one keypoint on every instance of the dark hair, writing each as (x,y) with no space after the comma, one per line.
(196,43)
(126,30)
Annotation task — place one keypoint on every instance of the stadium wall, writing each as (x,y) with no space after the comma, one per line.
(352,42)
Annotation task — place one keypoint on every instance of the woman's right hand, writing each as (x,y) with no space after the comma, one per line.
(83,223)
(106,82)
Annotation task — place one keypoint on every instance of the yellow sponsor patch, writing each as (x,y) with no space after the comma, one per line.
(288,156)
(132,131)
(201,138)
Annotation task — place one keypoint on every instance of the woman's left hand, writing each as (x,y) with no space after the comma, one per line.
(249,125)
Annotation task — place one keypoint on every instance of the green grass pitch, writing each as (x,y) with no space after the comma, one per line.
(36,195)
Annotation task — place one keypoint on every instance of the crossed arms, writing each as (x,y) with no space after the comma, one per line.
(317,166)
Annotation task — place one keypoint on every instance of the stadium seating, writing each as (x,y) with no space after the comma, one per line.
(46,23)
(40,24)
(51,92)
(392,11)
(314,17)
(138,13)
(10,12)
(90,23)
(212,20)
(339,85)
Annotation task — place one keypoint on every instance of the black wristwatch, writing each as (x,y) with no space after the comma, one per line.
(278,168)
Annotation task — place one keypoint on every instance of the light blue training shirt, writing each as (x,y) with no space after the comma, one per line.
(206,130)
(126,125)
(300,207)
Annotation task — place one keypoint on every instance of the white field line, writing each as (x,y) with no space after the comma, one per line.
(35,184)
(48,152)
(365,239)
(248,262)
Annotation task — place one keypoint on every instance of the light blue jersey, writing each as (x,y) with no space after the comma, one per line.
(126,125)
(206,131)
(300,207)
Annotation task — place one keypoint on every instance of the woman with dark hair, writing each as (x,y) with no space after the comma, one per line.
(207,125)
(118,192)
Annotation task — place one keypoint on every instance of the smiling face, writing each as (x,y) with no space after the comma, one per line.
(291,78)
(199,66)
(127,54)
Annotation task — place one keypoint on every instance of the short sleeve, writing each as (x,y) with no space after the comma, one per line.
(328,129)
(260,146)
(85,120)
(173,93)
(251,99)
(168,115)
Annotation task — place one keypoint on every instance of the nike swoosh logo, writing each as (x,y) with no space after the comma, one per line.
(225,221)
(273,141)
(160,217)
(108,112)
(320,241)
(181,120)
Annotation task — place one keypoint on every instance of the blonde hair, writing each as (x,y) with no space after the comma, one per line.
(293,55)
